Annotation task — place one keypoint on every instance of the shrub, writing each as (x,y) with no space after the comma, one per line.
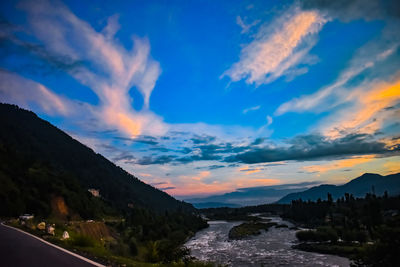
(83,241)
(319,235)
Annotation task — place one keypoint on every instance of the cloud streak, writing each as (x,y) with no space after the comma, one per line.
(278,48)
(312,147)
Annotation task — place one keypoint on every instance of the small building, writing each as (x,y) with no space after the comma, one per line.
(26,217)
(41,226)
(50,229)
(94,192)
(65,235)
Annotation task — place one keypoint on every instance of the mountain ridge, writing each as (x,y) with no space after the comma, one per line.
(366,183)
(38,145)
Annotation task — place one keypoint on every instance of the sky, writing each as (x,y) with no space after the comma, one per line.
(204,97)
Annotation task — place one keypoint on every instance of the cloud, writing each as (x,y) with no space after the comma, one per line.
(368,110)
(247,110)
(278,48)
(334,94)
(215,167)
(167,188)
(347,10)
(109,69)
(367,88)
(25,93)
(258,141)
(245,27)
(144,139)
(149,160)
(392,167)
(339,164)
(309,147)
(204,139)
(248,170)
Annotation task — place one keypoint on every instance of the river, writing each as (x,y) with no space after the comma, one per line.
(271,248)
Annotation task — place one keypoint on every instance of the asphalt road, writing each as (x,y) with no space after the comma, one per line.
(19,249)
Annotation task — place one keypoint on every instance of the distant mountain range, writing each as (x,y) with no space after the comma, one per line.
(366,183)
(285,193)
(250,196)
(41,167)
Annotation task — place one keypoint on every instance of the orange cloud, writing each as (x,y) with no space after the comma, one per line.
(392,167)
(339,164)
(368,115)
(275,50)
(248,170)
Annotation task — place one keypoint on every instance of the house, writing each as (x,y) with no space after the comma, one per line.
(26,217)
(94,192)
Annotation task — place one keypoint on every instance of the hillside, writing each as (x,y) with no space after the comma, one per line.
(366,183)
(39,162)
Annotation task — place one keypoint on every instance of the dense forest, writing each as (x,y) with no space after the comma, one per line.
(35,143)
(364,229)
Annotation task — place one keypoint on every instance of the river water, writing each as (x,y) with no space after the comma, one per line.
(271,248)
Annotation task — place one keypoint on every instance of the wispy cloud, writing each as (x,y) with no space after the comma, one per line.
(247,110)
(368,85)
(369,110)
(110,71)
(339,164)
(335,93)
(25,93)
(278,48)
(245,27)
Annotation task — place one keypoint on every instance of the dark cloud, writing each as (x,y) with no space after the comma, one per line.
(156,160)
(161,149)
(144,139)
(203,139)
(179,133)
(258,141)
(45,60)
(253,169)
(110,148)
(348,10)
(211,167)
(124,157)
(101,132)
(167,188)
(160,183)
(185,150)
(214,167)
(309,147)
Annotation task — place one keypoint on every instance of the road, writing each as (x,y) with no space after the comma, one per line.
(21,249)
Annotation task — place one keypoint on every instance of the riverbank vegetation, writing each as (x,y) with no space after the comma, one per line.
(248,229)
(366,230)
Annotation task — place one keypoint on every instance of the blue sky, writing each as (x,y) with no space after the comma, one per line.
(203,97)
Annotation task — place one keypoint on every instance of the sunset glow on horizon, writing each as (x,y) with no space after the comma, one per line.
(203,98)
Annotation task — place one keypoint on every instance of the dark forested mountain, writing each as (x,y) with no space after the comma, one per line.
(39,162)
(358,187)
